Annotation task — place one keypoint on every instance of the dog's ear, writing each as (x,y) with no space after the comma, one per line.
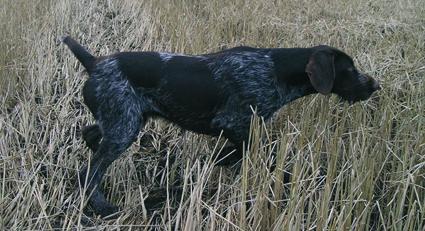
(321,70)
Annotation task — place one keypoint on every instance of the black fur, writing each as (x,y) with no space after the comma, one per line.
(143,69)
(208,94)
(80,52)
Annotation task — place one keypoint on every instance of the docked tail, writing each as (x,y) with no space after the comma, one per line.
(80,52)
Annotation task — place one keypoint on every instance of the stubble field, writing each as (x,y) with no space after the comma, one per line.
(350,167)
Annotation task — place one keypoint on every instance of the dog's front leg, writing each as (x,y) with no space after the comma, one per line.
(235,127)
(230,155)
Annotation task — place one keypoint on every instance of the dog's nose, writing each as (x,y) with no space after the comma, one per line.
(376,86)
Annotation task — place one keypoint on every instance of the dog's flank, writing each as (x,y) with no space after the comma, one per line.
(208,94)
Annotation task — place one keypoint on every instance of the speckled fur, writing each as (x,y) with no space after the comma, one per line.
(122,108)
(252,86)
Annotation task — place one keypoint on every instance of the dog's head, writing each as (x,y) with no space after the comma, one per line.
(332,71)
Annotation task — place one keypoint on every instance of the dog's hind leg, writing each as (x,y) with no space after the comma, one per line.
(120,117)
(118,135)
(92,135)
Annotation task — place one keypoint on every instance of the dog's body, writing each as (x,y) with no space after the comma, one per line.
(208,94)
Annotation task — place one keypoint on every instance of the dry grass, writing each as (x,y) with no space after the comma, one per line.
(355,167)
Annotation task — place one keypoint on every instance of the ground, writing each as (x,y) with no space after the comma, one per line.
(339,166)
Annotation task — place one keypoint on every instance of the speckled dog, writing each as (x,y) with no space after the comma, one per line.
(207,94)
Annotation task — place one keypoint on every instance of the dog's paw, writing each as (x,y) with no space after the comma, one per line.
(107,211)
(228,161)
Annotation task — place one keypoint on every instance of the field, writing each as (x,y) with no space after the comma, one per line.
(339,166)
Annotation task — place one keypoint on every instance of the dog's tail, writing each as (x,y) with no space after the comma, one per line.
(87,59)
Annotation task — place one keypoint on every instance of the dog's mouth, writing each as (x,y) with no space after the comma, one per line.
(350,101)
(360,92)
(357,96)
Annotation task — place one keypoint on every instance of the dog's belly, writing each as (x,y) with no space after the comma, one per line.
(201,126)
(195,122)
(187,116)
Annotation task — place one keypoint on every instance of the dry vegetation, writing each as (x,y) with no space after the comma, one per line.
(357,167)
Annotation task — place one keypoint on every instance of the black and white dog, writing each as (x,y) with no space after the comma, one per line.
(208,94)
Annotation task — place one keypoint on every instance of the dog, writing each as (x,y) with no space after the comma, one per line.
(207,94)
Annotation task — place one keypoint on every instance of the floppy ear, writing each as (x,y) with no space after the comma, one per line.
(321,71)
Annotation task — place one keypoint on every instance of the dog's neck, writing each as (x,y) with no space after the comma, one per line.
(289,65)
